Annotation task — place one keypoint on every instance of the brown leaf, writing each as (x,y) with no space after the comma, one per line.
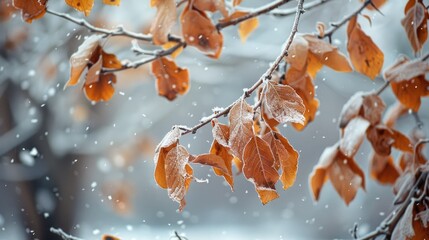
(415,23)
(31,9)
(409,93)
(345,175)
(212,160)
(283,103)
(80,59)
(298,51)
(164,20)
(393,113)
(6,10)
(84,6)
(100,89)
(199,31)
(327,54)
(112,2)
(286,157)
(372,108)
(171,80)
(303,84)
(353,136)
(381,139)
(240,122)
(220,132)
(365,56)
(351,109)
(170,140)
(224,153)
(178,174)
(212,6)
(383,169)
(258,168)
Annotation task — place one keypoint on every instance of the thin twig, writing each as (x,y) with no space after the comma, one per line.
(337,25)
(62,234)
(138,63)
(289,11)
(419,122)
(266,76)
(382,88)
(261,10)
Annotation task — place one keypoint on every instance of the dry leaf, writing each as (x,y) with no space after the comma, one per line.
(100,89)
(224,153)
(303,84)
(258,168)
(376,3)
(178,173)
(84,6)
(286,157)
(80,59)
(409,93)
(170,140)
(109,237)
(240,122)
(298,50)
(365,56)
(383,169)
(353,136)
(112,2)
(372,108)
(169,45)
(199,31)
(283,103)
(327,54)
(214,161)
(404,69)
(351,109)
(212,6)
(236,2)
(31,9)
(393,113)
(171,80)
(405,229)
(164,20)
(345,175)
(220,132)
(245,28)
(415,23)
(6,10)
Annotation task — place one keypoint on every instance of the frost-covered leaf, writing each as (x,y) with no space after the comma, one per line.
(415,23)
(212,6)
(353,136)
(298,50)
(286,157)
(220,132)
(199,31)
(258,168)
(84,6)
(179,174)
(365,56)
(224,153)
(241,131)
(283,103)
(164,20)
(101,88)
(30,9)
(171,80)
(372,108)
(170,140)
(212,160)
(351,109)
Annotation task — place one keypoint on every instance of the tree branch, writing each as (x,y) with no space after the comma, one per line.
(254,13)
(266,76)
(62,234)
(289,11)
(337,25)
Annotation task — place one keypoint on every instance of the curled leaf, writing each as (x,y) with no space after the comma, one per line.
(164,20)
(30,9)
(171,80)
(415,23)
(353,136)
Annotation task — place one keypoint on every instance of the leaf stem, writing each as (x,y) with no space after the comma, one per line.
(382,88)
(62,234)
(289,11)
(266,76)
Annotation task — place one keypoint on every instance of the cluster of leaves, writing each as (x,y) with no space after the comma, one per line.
(250,141)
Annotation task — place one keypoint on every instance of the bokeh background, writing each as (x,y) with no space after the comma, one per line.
(88,168)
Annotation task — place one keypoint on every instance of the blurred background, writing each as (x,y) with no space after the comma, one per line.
(88,168)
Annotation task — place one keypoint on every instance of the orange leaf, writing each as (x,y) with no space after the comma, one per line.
(365,56)
(102,88)
(241,123)
(381,139)
(80,59)
(31,9)
(223,152)
(164,20)
(302,83)
(258,168)
(171,80)
(199,31)
(236,2)
(298,51)
(286,157)
(245,28)
(170,141)
(6,10)
(377,3)
(169,45)
(212,6)
(109,237)
(283,103)
(84,6)
(212,160)
(372,108)
(415,24)
(327,54)
(318,176)
(220,132)
(353,136)
(178,174)
(112,2)
(409,93)
(393,113)
(383,169)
